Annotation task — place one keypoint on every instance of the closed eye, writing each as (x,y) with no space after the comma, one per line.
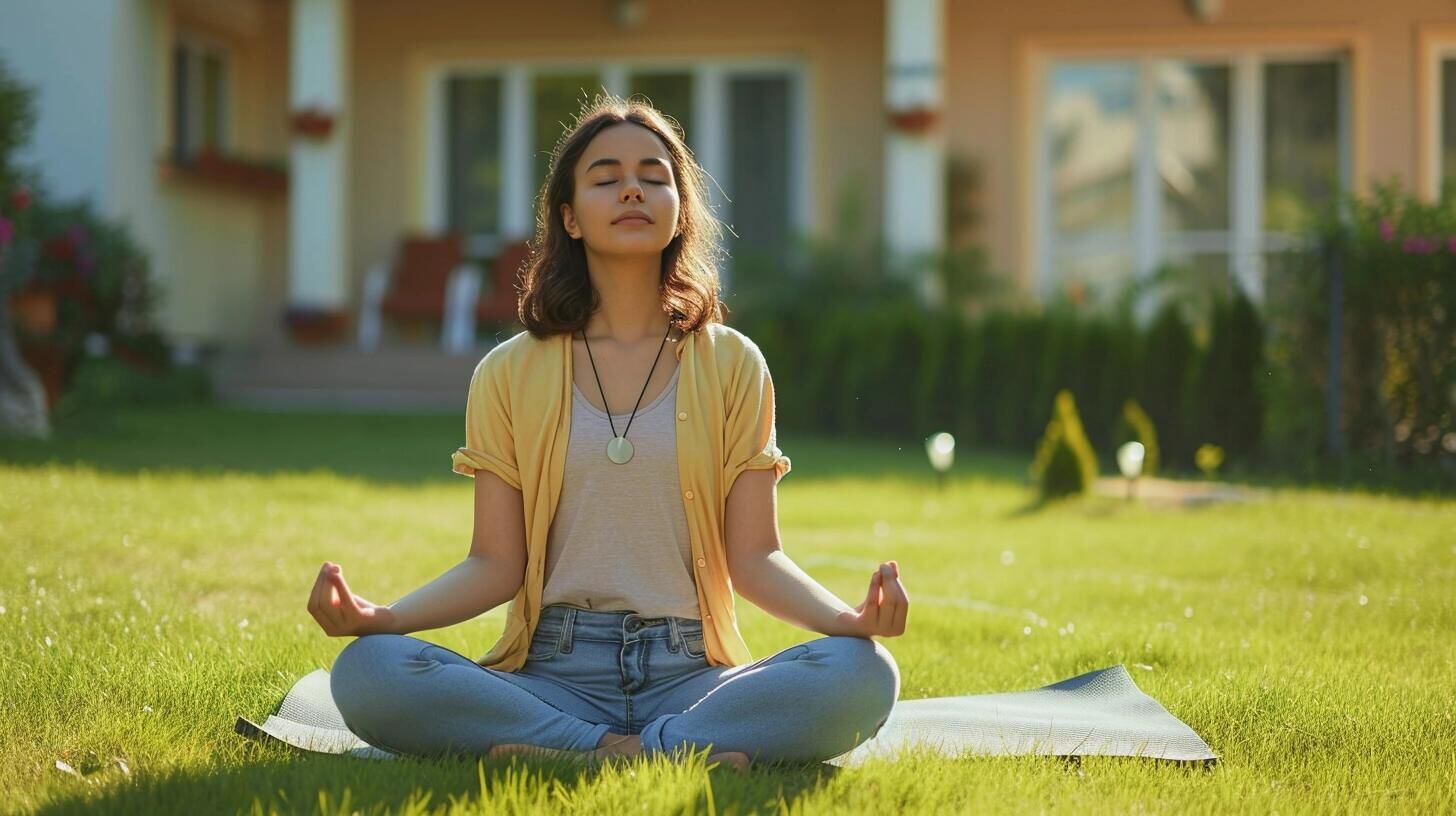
(614,181)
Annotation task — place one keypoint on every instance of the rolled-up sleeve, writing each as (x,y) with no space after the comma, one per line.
(489,444)
(752,434)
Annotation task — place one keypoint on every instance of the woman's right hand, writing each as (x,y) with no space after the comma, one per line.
(340,612)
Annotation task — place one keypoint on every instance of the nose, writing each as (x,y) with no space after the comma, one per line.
(631,190)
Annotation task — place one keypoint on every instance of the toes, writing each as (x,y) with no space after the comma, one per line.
(736,760)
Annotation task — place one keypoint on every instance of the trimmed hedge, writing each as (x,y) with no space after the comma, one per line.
(897,370)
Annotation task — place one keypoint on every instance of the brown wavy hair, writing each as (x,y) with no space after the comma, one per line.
(556,294)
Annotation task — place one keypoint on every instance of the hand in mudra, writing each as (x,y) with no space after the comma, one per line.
(340,612)
(884,609)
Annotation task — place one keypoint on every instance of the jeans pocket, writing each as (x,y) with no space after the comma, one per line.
(693,645)
(545,642)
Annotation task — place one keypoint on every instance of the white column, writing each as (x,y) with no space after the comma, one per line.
(318,207)
(1247,199)
(914,200)
(709,141)
(518,184)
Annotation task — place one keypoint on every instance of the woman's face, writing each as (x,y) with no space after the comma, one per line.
(626,167)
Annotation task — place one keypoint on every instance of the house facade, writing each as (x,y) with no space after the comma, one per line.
(268,152)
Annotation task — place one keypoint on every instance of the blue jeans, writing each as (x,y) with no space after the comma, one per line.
(591,671)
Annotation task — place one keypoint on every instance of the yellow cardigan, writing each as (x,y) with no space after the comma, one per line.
(517,423)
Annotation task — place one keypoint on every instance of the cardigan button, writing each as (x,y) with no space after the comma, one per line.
(689,494)
(702,562)
(682,415)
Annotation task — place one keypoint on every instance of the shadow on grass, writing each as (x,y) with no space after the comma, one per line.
(281,779)
(405,448)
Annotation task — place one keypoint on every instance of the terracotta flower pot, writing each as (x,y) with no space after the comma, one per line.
(48,361)
(316,327)
(34,309)
(313,123)
(914,120)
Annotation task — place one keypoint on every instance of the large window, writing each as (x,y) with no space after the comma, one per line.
(499,125)
(199,97)
(473,107)
(556,99)
(1447,173)
(1444,159)
(760,111)
(1206,163)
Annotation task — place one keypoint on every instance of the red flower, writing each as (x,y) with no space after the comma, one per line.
(60,248)
(20,199)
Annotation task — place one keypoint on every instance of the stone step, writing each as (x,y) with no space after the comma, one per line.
(345,378)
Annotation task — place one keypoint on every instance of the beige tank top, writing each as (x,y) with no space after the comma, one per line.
(619,539)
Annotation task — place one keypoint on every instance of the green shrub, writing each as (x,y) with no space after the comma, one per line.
(107,383)
(1228,403)
(1137,426)
(1065,463)
(1170,360)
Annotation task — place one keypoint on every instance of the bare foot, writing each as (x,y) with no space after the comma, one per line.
(613,746)
(737,760)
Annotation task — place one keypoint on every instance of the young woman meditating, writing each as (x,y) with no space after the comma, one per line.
(625,462)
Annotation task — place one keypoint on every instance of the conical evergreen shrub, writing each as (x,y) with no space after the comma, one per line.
(1065,463)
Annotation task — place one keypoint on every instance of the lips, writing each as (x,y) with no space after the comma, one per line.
(633,217)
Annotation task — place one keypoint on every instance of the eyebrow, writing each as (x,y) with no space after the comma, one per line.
(617,162)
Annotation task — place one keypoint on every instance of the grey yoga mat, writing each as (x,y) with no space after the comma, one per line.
(1100,713)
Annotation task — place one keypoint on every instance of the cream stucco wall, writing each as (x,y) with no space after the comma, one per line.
(219,252)
(214,248)
(396,44)
(991,49)
(992,46)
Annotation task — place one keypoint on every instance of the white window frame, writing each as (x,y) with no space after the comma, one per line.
(708,141)
(1437,50)
(199,45)
(1245,240)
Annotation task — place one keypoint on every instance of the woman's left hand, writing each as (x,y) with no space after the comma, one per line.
(884,609)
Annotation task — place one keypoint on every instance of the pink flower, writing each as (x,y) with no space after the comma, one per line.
(1419,246)
(1387,230)
(1451,243)
(7,231)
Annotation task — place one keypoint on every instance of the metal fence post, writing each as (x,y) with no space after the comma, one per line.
(1334,262)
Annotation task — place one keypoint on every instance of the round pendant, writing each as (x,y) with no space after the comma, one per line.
(619,450)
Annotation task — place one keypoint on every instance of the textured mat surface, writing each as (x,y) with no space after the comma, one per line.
(1101,713)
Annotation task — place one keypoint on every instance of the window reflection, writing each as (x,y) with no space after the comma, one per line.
(1301,141)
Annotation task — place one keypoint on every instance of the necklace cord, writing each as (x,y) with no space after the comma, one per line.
(644,384)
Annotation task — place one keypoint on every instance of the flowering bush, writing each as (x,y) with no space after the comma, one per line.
(1397,255)
(71,278)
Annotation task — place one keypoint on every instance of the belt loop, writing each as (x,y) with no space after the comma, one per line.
(674,635)
(570,620)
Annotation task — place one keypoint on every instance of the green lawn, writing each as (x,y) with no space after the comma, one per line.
(156,566)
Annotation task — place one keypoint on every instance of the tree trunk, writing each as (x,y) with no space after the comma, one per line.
(22,395)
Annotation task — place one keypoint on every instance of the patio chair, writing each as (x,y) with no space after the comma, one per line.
(428,280)
(499,304)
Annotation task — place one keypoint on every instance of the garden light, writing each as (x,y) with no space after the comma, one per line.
(940,448)
(1130,462)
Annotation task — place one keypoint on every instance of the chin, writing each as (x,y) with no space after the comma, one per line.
(642,245)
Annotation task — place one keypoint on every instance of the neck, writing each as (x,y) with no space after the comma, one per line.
(630,310)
